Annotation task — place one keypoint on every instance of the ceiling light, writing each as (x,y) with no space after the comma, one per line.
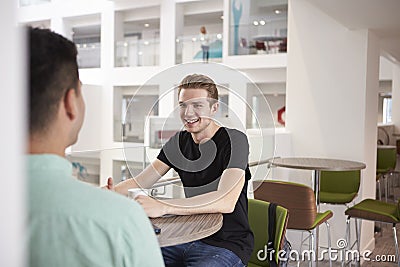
(219,36)
(146,42)
(222,17)
(255,23)
(146,25)
(84,45)
(140,53)
(277,11)
(177,40)
(78,45)
(125,44)
(194,39)
(262,22)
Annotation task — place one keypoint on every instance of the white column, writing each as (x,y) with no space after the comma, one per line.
(13,140)
(167,33)
(332,97)
(396,97)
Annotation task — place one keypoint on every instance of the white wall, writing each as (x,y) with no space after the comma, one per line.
(332,97)
(12,161)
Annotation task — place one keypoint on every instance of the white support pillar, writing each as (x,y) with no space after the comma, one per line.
(396,97)
(167,32)
(332,97)
(13,103)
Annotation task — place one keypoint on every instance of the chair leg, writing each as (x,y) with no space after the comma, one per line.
(312,248)
(379,189)
(347,238)
(386,187)
(357,240)
(396,244)
(328,229)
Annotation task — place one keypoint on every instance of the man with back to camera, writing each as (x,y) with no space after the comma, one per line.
(212,162)
(72,224)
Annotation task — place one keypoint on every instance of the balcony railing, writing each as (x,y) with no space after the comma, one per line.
(188,48)
(137,53)
(88,55)
(252,39)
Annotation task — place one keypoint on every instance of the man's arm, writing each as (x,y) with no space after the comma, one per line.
(221,201)
(149,176)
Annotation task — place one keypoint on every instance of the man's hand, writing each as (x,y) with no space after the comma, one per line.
(153,207)
(110,184)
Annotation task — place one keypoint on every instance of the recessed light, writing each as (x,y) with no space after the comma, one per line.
(147,25)
(277,11)
(146,42)
(222,17)
(262,22)
(125,44)
(177,40)
(219,36)
(140,53)
(255,23)
(84,45)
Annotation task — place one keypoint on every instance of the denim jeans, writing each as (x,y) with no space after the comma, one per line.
(197,253)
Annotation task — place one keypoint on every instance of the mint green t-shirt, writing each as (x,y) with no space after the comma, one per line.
(72,224)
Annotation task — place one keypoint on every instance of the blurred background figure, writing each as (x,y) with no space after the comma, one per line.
(205,46)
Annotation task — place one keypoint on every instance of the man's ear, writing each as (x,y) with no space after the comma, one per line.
(70,103)
(214,107)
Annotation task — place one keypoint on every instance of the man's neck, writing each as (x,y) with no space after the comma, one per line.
(45,145)
(206,134)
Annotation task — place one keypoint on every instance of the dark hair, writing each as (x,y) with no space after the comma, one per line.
(199,81)
(52,71)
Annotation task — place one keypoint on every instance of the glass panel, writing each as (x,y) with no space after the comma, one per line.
(258,27)
(88,55)
(188,48)
(264,99)
(87,40)
(131,107)
(137,52)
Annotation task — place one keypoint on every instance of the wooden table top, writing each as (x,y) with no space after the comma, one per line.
(318,164)
(183,229)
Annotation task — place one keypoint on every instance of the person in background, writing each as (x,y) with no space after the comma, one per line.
(205,46)
(212,163)
(71,223)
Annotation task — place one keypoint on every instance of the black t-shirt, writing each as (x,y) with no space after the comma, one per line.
(200,168)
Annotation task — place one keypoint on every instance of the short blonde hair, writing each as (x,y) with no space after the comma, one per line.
(199,81)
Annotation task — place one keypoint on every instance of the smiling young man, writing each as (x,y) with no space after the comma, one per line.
(212,164)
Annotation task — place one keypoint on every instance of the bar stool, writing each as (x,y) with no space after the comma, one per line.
(374,210)
(386,158)
(258,220)
(300,202)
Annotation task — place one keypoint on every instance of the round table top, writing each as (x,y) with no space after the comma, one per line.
(317,164)
(181,229)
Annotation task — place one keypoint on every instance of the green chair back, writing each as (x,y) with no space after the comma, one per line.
(258,220)
(339,187)
(386,159)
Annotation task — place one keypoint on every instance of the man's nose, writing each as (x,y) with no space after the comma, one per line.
(189,110)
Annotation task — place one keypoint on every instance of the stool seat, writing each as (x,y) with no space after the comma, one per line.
(375,210)
(337,198)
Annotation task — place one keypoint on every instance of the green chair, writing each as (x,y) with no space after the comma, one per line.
(386,158)
(374,210)
(300,202)
(339,187)
(258,220)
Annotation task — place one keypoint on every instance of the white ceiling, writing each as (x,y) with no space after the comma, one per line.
(380,16)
